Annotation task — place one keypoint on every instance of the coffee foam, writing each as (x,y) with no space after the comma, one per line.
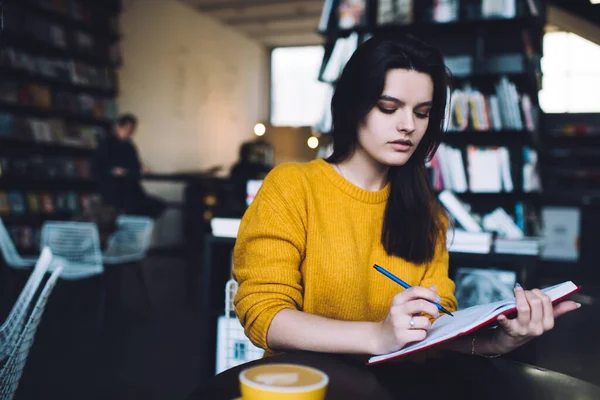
(284,378)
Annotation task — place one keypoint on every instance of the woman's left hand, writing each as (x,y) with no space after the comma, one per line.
(535,315)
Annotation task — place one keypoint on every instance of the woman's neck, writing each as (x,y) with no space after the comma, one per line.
(364,172)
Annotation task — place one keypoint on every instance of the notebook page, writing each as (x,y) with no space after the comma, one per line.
(447,327)
(560,290)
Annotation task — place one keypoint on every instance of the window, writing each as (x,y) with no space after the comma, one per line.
(297,97)
(571,74)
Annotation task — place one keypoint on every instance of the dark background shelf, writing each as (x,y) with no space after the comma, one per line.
(430,29)
(40,47)
(500,196)
(18,109)
(489,138)
(37,148)
(51,184)
(36,219)
(493,258)
(96,29)
(57,36)
(24,76)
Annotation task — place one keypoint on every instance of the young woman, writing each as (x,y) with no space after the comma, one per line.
(307,244)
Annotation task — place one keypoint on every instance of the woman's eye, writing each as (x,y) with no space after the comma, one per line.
(422,116)
(386,110)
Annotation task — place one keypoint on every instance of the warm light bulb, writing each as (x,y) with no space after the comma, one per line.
(595,1)
(259,129)
(313,142)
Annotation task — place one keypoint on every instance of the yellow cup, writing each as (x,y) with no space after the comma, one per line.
(283,382)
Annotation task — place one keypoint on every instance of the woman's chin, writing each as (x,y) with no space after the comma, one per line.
(395,160)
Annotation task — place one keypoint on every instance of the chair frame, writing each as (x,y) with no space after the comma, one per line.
(10,253)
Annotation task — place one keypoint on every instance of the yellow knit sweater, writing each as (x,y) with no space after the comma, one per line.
(309,241)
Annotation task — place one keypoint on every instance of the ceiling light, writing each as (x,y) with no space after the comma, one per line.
(259,129)
(313,142)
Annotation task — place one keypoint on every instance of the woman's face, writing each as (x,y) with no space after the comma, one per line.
(392,130)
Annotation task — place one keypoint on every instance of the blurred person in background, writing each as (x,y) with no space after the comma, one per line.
(255,162)
(117,170)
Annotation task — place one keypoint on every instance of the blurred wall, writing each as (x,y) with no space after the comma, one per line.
(289,143)
(197,86)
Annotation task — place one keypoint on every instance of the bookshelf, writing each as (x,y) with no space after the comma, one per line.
(58,86)
(570,157)
(493,50)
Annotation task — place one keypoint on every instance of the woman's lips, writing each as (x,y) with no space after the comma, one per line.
(401,145)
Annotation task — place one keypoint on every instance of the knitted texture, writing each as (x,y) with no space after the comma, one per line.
(309,241)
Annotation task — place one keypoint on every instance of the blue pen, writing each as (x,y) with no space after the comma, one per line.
(407,286)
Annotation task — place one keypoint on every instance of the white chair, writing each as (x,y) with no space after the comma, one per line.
(75,246)
(233,347)
(131,240)
(13,325)
(11,372)
(10,253)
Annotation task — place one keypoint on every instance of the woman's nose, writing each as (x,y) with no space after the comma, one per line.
(406,122)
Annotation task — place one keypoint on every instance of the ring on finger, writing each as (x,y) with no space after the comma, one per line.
(412,322)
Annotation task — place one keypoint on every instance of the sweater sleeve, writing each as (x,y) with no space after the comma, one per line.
(269,250)
(437,274)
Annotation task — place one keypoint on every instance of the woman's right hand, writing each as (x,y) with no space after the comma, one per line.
(395,332)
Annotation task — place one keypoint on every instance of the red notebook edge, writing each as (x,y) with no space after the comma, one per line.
(486,322)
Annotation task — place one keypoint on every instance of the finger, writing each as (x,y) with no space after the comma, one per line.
(565,307)
(433,288)
(420,322)
(536,323)
(509,325)
(548,318)
(416,307)
(523,309)
(417,292)
(412,335)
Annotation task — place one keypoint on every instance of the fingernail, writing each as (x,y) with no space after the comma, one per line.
(578,305)
(438,298)
(518,286)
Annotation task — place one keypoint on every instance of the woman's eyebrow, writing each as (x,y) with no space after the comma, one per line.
(400,102)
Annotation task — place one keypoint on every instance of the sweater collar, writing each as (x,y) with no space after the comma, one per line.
(349,188)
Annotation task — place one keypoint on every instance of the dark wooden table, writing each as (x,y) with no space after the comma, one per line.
(443,376)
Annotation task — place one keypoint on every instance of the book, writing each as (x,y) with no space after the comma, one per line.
(17,203)
(461,241)
(562,233)
(47,203)
(459,212)
(325,15)
(33,202)
(4,203)
(395,12)
(352,13)
(468,320)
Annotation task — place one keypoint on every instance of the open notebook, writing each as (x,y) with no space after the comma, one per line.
(446,328)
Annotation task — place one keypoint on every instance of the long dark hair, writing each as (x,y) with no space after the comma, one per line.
(414,220)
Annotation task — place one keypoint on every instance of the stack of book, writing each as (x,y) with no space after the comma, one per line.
(461,241)
(525,246)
